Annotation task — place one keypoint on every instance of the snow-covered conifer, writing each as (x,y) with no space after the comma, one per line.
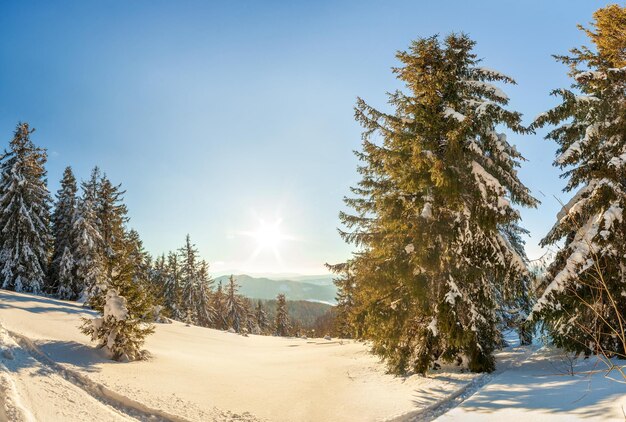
(204,303)
(584,295)
(346,322)
(62,221)
(24,215)
(112,218)
(66,277)
(281,325)
(219,305)
(87,259)
(118,330)
(189,281)
(438,187)
(172,290)
(261,318)
(236,314)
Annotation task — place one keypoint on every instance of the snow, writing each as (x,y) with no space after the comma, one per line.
(200,374)
(427,211)
(486,180)
(453,293)
(115,306)
(590,132)
(491,89)
(618,161)
(539,389)
(578,261)
(433,327)
(450,112)
(584,245)
(580,76)
(49,371)
(611,215)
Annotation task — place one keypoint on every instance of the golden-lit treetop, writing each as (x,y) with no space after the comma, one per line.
(609,34)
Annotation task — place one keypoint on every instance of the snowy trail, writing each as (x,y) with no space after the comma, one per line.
(33,391)
(508,358)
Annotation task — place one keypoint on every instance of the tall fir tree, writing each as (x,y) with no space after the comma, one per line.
(438,184)
(172,290)
(87,257)
(91,186)
(206,311)
(219,305)
(157,284)
(282,325)
(591,133)
(112,219)
(61,271)
(122,297)
(189,279)
(25,214)
(347,323)
(261,318)
(236,313)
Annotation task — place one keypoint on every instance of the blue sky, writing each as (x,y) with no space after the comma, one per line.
(215,115)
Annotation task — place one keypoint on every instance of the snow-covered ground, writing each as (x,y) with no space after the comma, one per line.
(50,371)
(199,374)
(542,388)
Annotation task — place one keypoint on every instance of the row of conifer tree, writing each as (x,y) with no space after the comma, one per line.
(83,250)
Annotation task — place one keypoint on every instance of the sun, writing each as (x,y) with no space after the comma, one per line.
(268,236)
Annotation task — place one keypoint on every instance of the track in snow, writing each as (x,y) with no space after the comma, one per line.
(509,358)
(39,388)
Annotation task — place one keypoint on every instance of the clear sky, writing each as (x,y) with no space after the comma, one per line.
(216,115)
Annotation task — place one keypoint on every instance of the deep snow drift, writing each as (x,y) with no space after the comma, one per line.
(50,371)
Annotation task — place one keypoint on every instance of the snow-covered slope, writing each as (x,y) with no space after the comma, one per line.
(50,372)
(199,374)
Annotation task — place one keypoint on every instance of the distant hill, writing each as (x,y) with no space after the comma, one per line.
(310,288)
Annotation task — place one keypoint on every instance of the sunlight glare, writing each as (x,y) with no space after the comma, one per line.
(268,236)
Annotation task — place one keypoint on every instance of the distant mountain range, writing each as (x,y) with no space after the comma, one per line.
(297,287)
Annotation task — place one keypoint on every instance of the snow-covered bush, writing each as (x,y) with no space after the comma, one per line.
(116,330)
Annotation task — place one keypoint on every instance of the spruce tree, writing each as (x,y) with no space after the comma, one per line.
(61,272)
(118,330)
(583,296)
(66,289)
(112,218)
(204,303)
(189,279)
(251,323)
(346,324)
(219,305)
(262,321)
(281,325)
(87,258)
(135,277)
(437,189)
(122,294)
(91,187)
(24,215)
(236,314)
(172,290)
